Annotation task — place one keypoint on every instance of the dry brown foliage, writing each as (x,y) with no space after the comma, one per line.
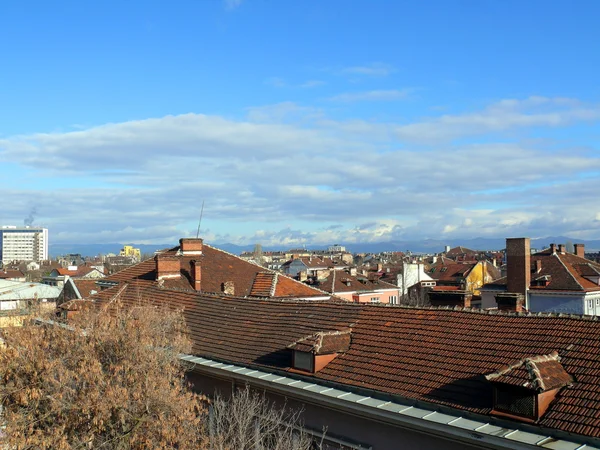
(110,381)
(248,420)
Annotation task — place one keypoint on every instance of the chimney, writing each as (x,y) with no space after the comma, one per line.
(190,246)
(518,262)
(553,248)
(303,275)
(196,275)
(450,298)
(228,288)
(379,267)
(352,271)
(562,248)
(508,301)
(167,267)
(580,250)
(538,265)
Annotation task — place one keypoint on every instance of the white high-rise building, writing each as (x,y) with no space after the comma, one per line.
(23,244)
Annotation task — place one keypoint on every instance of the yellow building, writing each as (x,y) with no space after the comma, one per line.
(129,250)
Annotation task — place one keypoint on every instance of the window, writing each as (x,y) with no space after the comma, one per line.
(515,401)
(374,299)
(393,299)
(304,361)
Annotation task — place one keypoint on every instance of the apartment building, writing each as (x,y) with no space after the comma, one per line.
(23,243)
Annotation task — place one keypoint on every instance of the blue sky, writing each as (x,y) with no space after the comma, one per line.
(300,122)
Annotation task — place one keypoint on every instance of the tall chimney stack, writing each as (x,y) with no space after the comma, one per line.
(196,275)
(518,265)
(553,248)
(562,248)
(190,246)
(580,250)
(167,267)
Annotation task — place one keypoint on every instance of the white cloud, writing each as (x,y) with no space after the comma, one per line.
(232,4)
(374,70)
(376,95)
(276,82)
(290,164)
(312,84)
(501,116)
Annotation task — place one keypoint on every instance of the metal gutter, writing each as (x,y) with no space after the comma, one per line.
(448,426)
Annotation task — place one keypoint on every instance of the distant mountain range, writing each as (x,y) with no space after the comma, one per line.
(424,246)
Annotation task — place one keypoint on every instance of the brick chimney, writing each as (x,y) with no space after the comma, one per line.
(196,275)
(167,267)
(553,248)
(190,246)
(538,265)
(228,288)
(508,301)
(450,298)
(580,250)
(562,248)
(518,265)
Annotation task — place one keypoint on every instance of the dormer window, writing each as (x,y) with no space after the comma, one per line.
(524,390)
(304,361)
(312,353)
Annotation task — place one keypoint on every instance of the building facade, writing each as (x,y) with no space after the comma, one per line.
(23,243)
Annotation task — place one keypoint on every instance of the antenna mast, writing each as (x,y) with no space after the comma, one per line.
(200,221)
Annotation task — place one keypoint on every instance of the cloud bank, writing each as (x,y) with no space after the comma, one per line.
(287,174)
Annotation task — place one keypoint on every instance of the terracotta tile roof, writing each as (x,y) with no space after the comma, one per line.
(218,267)
(539,373)
(458,251)
(324,342)
(566,271)
(450,272)
(264,284)
(341,281)
(437,356)
(86,287)
(6,274)
(80,272)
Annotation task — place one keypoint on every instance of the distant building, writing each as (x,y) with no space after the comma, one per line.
(336,249)
(552,280)
(129,250)
(23,244)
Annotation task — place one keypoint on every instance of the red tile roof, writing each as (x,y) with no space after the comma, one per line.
(450,272)
(540,373)
(324,342)
(6,274)
(219,267)
(342,281)
(86,287)
(264,284)
(458,251)
(566,272)
(437,356)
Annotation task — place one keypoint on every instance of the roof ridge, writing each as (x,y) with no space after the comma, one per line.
(266,269)
(568,271)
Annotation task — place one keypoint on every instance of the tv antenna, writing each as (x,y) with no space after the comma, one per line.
(200,221)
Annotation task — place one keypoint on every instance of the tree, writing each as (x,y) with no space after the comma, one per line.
(249,421)
(108,380)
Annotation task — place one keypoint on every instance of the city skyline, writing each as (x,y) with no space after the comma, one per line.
(300,123)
